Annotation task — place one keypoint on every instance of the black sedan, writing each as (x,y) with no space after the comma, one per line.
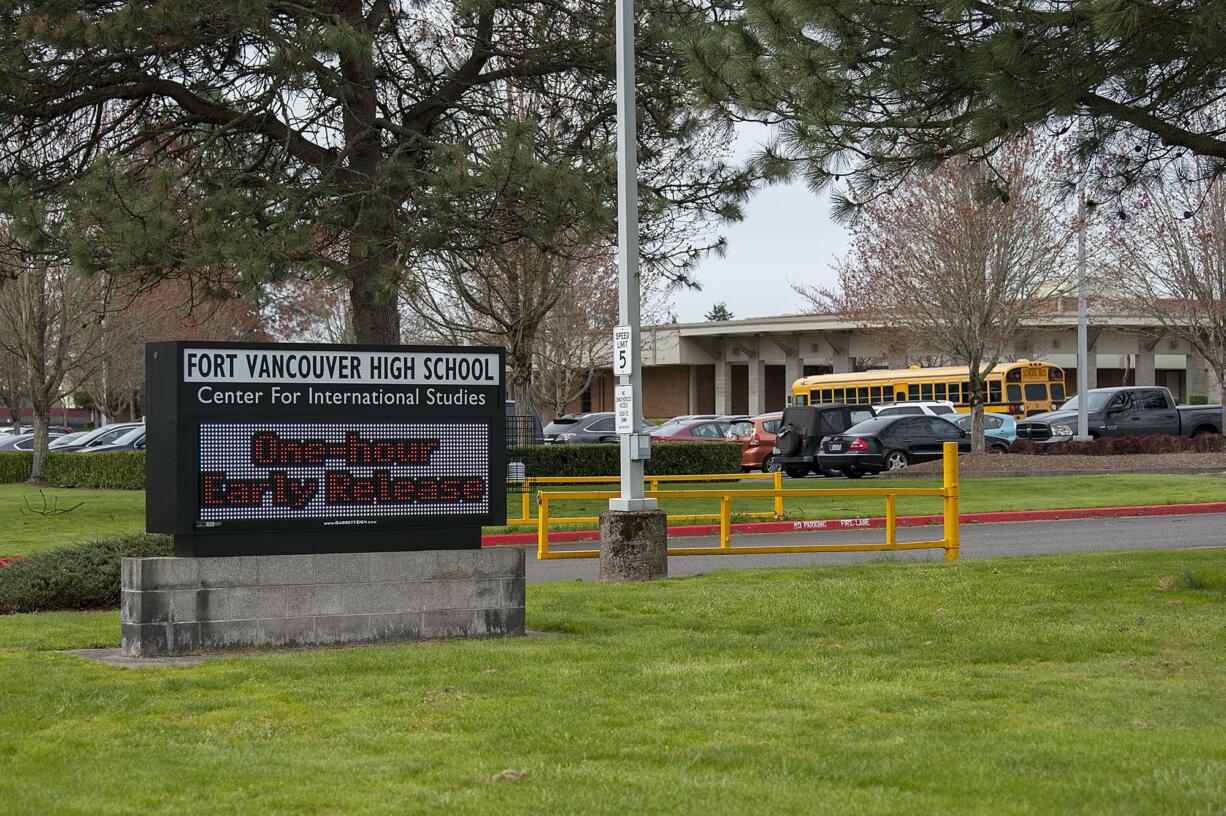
(889,443)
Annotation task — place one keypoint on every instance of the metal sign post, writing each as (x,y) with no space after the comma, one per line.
(634,445)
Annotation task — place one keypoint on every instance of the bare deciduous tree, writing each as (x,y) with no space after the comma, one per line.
(948,269)
(574,339)
(50,317)
(1169,262)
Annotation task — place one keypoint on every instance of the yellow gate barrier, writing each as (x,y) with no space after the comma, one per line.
(526,519)
(950,541)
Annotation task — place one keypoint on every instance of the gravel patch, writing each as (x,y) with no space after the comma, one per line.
(995,464)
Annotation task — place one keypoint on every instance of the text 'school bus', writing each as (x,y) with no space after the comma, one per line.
(1021,388)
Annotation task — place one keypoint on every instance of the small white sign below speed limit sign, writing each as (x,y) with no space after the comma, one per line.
(621,351)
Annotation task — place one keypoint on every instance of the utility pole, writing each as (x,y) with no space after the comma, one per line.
(635,446)
(1083,332)
(633,533)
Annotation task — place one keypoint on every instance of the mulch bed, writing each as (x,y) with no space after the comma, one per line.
(995,464)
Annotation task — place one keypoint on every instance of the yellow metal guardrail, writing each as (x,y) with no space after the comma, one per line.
(950,541)
(527,519)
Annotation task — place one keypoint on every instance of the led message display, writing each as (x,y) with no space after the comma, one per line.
(275,448)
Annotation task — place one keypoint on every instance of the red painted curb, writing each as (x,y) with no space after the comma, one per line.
(814,525)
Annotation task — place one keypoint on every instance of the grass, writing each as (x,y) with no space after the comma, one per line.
(101,513)
(111,512)
(1072,685)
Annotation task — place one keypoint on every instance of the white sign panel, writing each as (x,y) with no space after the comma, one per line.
(621,351)
(259,365)
(623,402)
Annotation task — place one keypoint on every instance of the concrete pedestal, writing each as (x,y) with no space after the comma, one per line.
(176,606)
(633,545)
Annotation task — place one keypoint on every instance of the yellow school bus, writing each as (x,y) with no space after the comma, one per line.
(1020,388)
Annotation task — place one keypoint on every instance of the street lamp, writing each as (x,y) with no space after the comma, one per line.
(635,445)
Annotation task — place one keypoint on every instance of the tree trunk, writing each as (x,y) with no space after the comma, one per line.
(41,421)
(978,396)
(372,298)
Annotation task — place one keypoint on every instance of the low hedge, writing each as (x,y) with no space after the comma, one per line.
(84,576)
(1118,446)
(124,470)
(667,458)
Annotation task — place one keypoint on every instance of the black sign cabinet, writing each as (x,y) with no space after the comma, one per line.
(277,448)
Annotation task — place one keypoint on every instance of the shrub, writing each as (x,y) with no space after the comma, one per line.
(84,576)
(123,470)
(1198,399)
(1117,446)
(667,458)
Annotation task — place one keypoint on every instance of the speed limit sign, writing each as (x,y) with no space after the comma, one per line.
(621,351)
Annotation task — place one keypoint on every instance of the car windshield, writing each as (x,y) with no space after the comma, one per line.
(1097,401)
(669,428)
(560,425)
(871,426)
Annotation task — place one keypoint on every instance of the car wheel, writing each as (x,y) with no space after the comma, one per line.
(998,449)
(770,464)
(853,473)
(896,460)
(797,473)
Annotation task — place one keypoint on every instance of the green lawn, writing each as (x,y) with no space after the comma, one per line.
(101,513)
(1070,685)
(107,512)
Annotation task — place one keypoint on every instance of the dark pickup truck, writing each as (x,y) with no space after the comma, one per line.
(1136,411)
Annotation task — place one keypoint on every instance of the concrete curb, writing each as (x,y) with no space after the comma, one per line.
(814,525)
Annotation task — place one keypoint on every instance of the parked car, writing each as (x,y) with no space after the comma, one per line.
(20,442)
(999,430)
(692,430)
(105,435)
(133,440)
(1128,411)
(688,417)
(889,443)
(578,429)
(928,407)
(758,437)
(68,438)
(801,429)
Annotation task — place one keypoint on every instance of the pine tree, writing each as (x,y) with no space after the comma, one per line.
(867,93)
(347,138)
(719,312)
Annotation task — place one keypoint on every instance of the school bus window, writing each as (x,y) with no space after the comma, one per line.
(1013,392)
(874,393)
(1036,392)
(1057,392)
(838,395)
(926,391)
(862,394)
(913,392)
(994,391)
(966,392)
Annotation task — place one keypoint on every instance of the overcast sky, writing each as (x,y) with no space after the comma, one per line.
(786,236)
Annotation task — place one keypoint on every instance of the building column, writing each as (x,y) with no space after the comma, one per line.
(793,370)
(840,362)
(692,402)
(1201,380)
(1144,373)
(723,387)
(757,387)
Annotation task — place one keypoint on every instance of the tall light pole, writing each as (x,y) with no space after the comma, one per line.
(634,445)
(1083,333)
